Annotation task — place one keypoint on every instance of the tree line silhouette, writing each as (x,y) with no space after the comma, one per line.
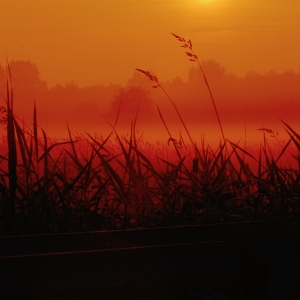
(253,98)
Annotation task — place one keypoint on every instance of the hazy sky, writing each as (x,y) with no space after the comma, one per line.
(103,41)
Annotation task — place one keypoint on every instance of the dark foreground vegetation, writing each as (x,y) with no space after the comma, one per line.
(101,183)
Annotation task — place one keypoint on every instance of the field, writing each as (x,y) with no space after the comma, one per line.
(65,205)
(93,182)
(89,182)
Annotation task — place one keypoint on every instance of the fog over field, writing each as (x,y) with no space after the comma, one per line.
(245,104)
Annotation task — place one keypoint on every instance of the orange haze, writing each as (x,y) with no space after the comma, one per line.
(82,53)
(92,42)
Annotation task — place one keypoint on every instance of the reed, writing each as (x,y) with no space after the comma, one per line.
(158,85)
(194,58)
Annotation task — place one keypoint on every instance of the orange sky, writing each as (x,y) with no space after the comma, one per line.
(103,41)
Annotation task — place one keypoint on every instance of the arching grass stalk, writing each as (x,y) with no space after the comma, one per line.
(170,136)
(155,79)
(193,57)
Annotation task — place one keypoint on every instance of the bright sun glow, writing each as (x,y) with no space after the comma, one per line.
(205,1)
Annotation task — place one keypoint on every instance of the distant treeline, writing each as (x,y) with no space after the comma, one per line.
(254,97)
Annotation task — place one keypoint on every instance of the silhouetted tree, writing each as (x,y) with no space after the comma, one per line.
(134,99)
(139,80)
(100,94)
(27,86)
(2,80)
(26,77)
(68,92)
(212,69)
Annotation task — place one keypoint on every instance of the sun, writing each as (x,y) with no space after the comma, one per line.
(206,1)
(206,4)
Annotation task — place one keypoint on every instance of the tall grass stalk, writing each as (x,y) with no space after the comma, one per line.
(10,201)
(157,84)
(193,57)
